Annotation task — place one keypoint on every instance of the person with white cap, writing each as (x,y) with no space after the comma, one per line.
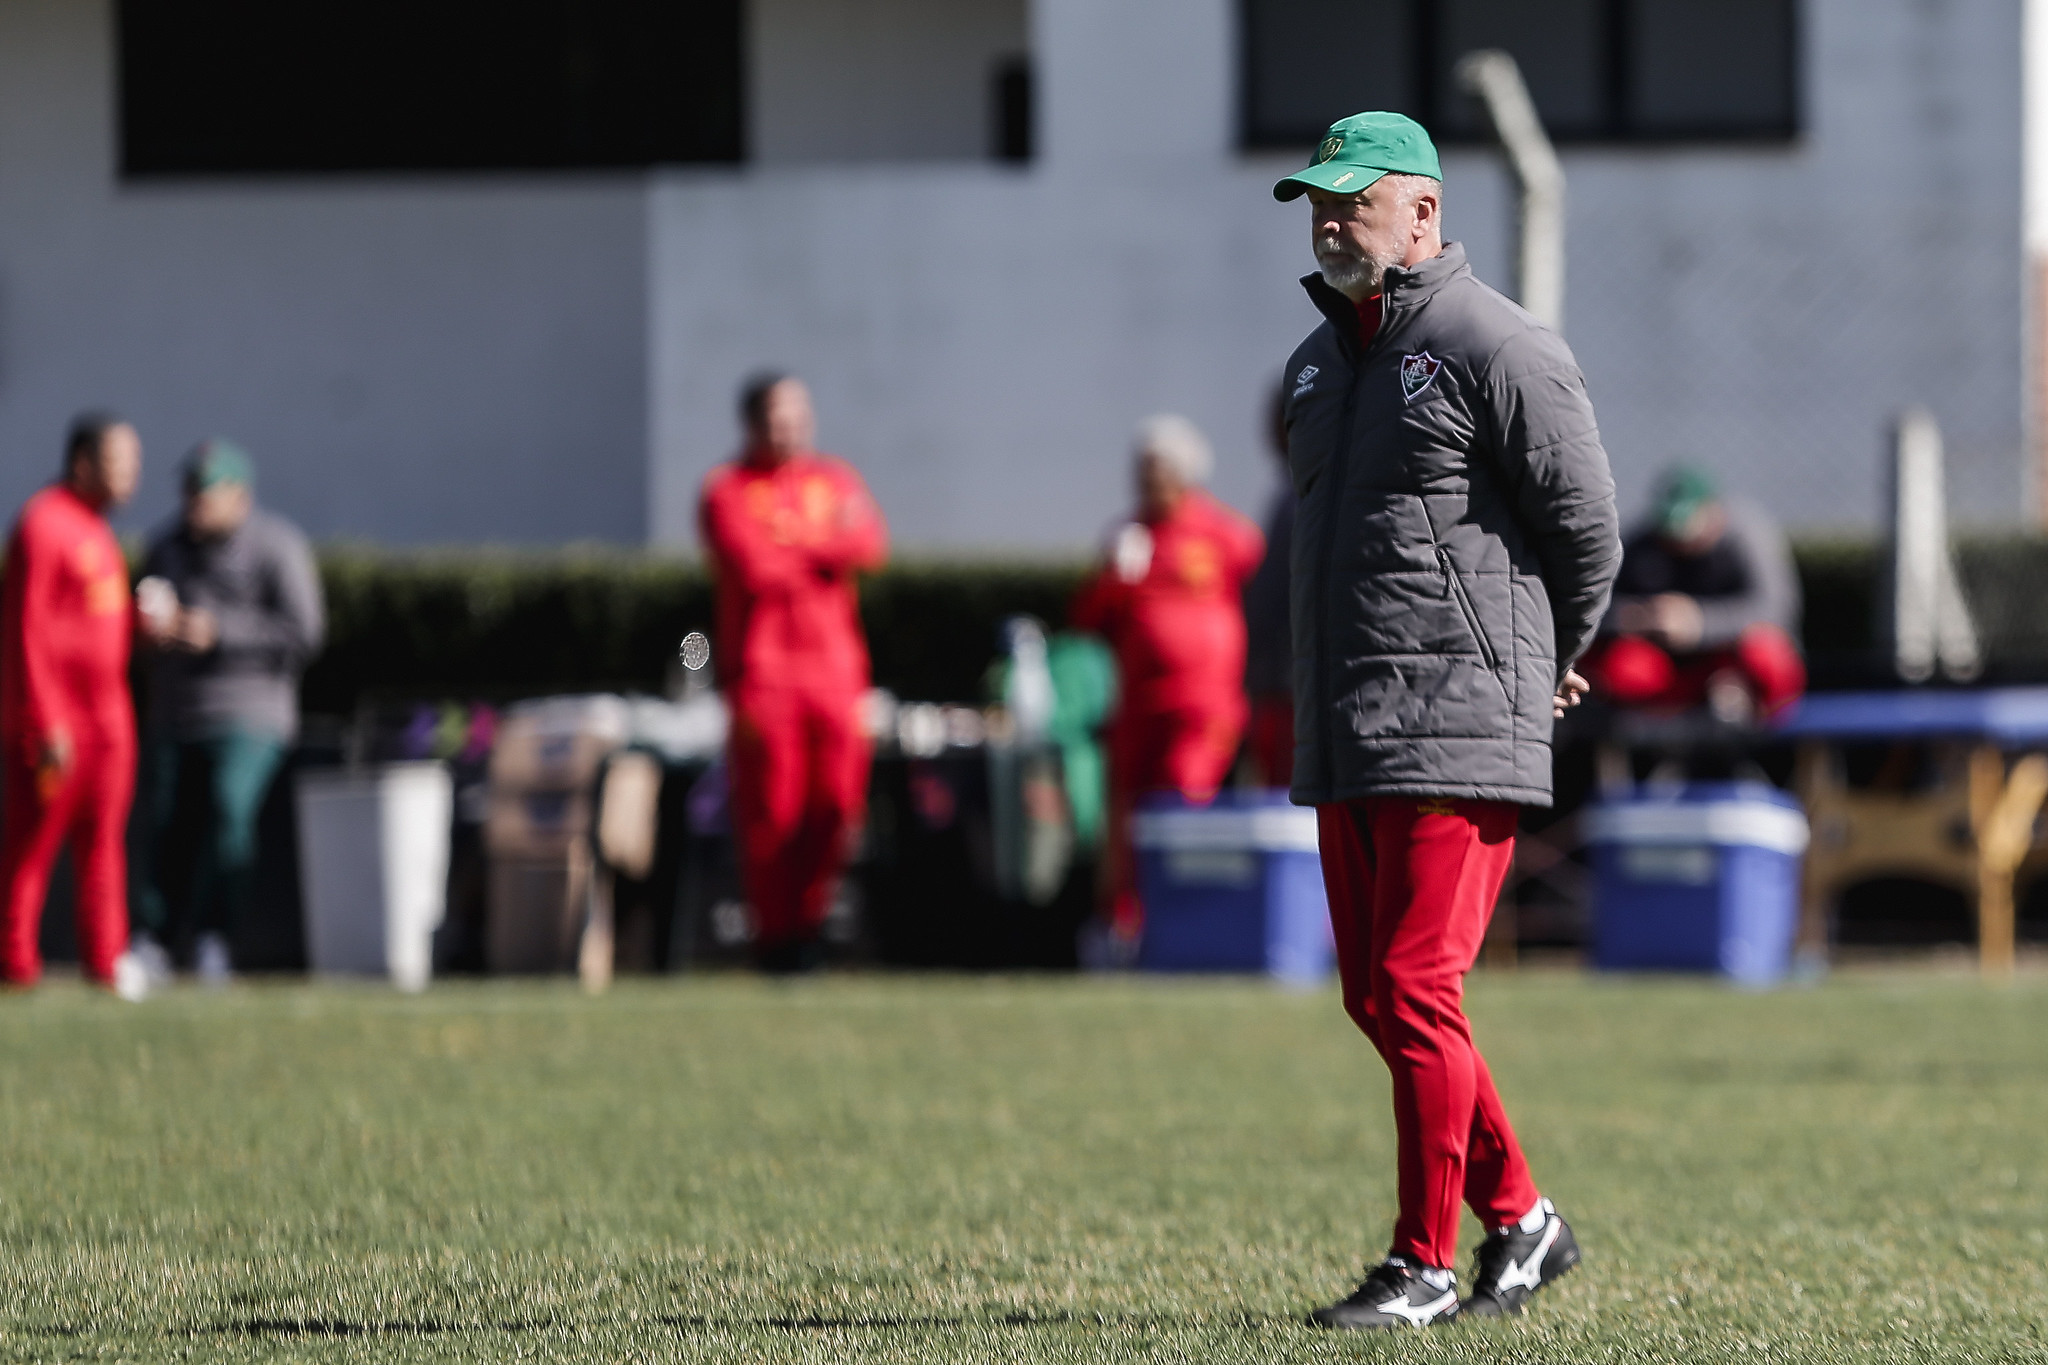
(1168,598)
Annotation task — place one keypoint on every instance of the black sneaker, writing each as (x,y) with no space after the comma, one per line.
(1393,1295)
(1513,1264)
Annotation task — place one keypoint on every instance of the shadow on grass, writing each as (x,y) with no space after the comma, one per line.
(815,1322)
(338,1327)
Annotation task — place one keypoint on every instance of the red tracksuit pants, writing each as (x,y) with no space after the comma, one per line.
(1412,885)
(89,809)
(799,771)
(1189,751)
(1632,671)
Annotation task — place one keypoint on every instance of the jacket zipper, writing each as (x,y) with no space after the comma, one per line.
(1334,482)
(1457,587)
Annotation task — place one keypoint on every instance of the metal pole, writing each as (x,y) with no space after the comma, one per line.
(1931,629)
(1495,81)
(2034,232)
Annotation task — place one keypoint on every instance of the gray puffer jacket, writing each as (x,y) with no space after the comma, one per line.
(1455,541)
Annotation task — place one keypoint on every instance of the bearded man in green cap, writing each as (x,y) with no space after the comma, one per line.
(1455,544)
(231,607)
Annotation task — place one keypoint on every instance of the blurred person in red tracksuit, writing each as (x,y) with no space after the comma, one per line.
(787,530)
(1170,602)
(67,724)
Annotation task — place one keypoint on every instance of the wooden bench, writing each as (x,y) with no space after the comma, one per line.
(1971,827)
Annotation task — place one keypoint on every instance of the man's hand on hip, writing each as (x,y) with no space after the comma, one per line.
(1570,693)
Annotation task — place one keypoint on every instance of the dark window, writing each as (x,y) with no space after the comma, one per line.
(228,86)
(1699,65)
(1599,70)
(1010,110)
(1305,58)
(1561,46)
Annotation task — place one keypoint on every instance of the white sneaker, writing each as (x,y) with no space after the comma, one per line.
(131,978)
(154,960)
(211,962)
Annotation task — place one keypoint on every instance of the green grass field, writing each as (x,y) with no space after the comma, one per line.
(898,1168)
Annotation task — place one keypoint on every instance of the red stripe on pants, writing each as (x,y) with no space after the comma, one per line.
(90,809)
(1412,885)
(799,771)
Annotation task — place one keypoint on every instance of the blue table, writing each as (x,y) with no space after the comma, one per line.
(1859,834)
(2011,717)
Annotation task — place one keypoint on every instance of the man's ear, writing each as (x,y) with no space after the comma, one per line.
(1428,211)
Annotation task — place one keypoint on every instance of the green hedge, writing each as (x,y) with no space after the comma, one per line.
(2005,581)
(496,625)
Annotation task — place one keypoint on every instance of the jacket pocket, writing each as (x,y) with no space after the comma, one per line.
(1456,586)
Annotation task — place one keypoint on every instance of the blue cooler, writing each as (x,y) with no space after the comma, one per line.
(1704,878)
(1234,886)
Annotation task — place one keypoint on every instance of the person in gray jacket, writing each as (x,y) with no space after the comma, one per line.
(230,606)
(1455,540)
(1706,610)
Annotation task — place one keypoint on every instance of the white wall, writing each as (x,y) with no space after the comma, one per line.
(536,359)
(875,80)
(409,358)
(1772,310)
(981,340)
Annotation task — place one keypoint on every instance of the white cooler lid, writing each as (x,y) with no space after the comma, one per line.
(1749,824)
(1273,829)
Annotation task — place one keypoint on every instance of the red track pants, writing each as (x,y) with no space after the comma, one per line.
(1412,885)
(90,809)
(1187,751)
(1632,671)
(799,772)
(1269,740)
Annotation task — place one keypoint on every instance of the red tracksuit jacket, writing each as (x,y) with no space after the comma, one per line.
(66,623)
(786,541)
(1178,630)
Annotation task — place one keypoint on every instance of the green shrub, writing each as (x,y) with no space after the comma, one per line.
(496,625)
(2003,576)
(500,625)
(2005,581)
(1838,581)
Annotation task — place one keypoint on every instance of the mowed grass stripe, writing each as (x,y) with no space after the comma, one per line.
(913,1168)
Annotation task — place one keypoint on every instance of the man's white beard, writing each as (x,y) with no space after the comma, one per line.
(1359,276)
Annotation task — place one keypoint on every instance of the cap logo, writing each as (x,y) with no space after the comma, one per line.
(1418,372)
(1341,179)
(1331,146)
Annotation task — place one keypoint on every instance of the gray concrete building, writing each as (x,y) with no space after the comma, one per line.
(1759,275)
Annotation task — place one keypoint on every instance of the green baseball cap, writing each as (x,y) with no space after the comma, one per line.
(1687,489)
(216,462)
(1359,150)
